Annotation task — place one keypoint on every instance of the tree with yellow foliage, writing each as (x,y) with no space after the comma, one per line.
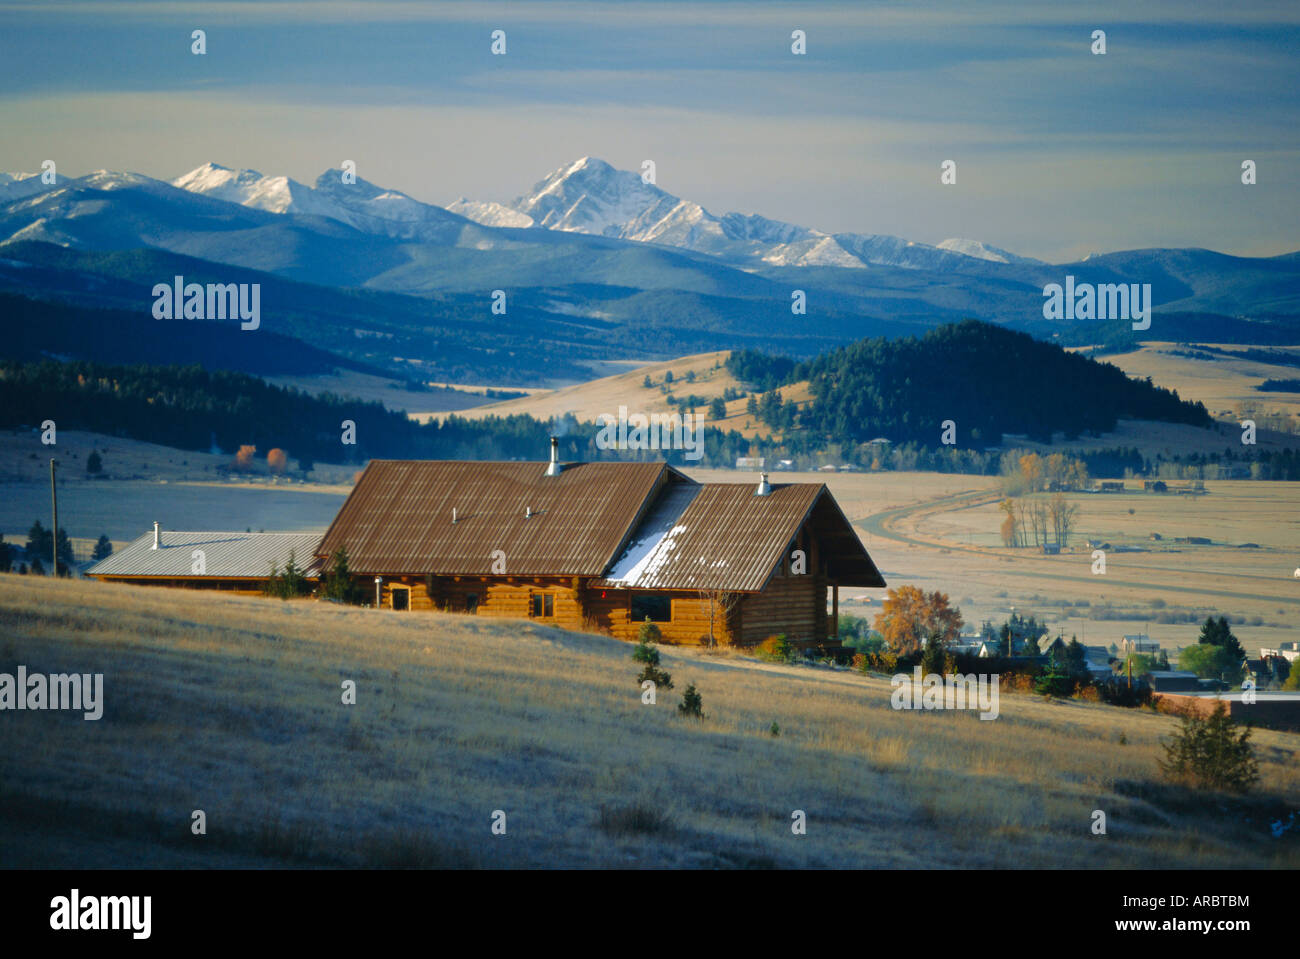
(908,617)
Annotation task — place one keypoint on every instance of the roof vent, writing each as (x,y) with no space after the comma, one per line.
(528,512)
(157,536)
(554,468)
(764,487)
(453,516)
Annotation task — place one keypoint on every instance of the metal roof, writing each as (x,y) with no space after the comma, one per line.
(398,518)
(225,555)
(725,537)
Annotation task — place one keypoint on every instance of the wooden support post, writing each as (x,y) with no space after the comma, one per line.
(835,611)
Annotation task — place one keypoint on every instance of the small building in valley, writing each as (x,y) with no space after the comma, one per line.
(603,547)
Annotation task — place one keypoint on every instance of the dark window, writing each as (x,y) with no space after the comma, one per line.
(471,602)
(658,608)
(543,605)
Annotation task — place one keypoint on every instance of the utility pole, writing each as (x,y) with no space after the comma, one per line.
(54,502)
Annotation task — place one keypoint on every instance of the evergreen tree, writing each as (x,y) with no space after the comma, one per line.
(1211,753)
(1217,633)
(339,584)
(103,548)
(692,704)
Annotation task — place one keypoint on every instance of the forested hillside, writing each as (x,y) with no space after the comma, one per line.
(989,381)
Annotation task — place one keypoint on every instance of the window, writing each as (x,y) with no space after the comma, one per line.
(471,602)
(543,605)
(658,608)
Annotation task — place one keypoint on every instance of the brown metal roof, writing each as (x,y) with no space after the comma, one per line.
(721,536)
(398,518)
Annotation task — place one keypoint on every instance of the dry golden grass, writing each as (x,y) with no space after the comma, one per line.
(587,401)
(1220,384)
(233,706)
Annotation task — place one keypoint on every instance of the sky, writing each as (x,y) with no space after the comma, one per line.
(1059,152)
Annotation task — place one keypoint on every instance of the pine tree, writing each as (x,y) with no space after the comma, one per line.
(691,704)
(1211,753)
(103,548)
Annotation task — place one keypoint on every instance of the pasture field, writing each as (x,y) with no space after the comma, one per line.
(232,706)
(941,531)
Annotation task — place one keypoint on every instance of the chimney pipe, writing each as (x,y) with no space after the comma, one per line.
(764,487)
(157,541)
(453,516)
(554,468)
(528,512)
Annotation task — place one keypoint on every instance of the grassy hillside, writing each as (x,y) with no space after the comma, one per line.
(233,706)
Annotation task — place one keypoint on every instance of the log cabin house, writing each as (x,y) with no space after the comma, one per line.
(603,547)
(239,563)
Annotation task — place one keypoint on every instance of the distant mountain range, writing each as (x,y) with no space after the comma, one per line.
(615,266)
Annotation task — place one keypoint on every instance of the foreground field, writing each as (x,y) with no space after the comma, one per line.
(232,706)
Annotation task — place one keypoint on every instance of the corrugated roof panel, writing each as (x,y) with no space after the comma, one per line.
(398,519)
(728,538)
(235,555)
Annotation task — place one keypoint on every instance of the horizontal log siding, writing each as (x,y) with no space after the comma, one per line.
(793,605)
(689,626)
(497,598)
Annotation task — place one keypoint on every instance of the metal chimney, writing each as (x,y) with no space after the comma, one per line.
(528,512)
(156,536)
(554,468)
(764,487)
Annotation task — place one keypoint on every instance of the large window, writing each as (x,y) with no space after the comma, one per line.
(543,605)
(658,608)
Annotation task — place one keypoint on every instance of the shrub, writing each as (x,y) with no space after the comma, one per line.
(288,582)
(1020,682)
(1211,753)
(775,730)
(661,679)
(691,703)
(1054,682)
(643,652)
(638,819)
(649,632)
(776,649)
(1088,693)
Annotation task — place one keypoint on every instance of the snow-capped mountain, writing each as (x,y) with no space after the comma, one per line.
(15,186)
(590,196)
(275,194)
(359,204)
(489,213)
(982,251)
